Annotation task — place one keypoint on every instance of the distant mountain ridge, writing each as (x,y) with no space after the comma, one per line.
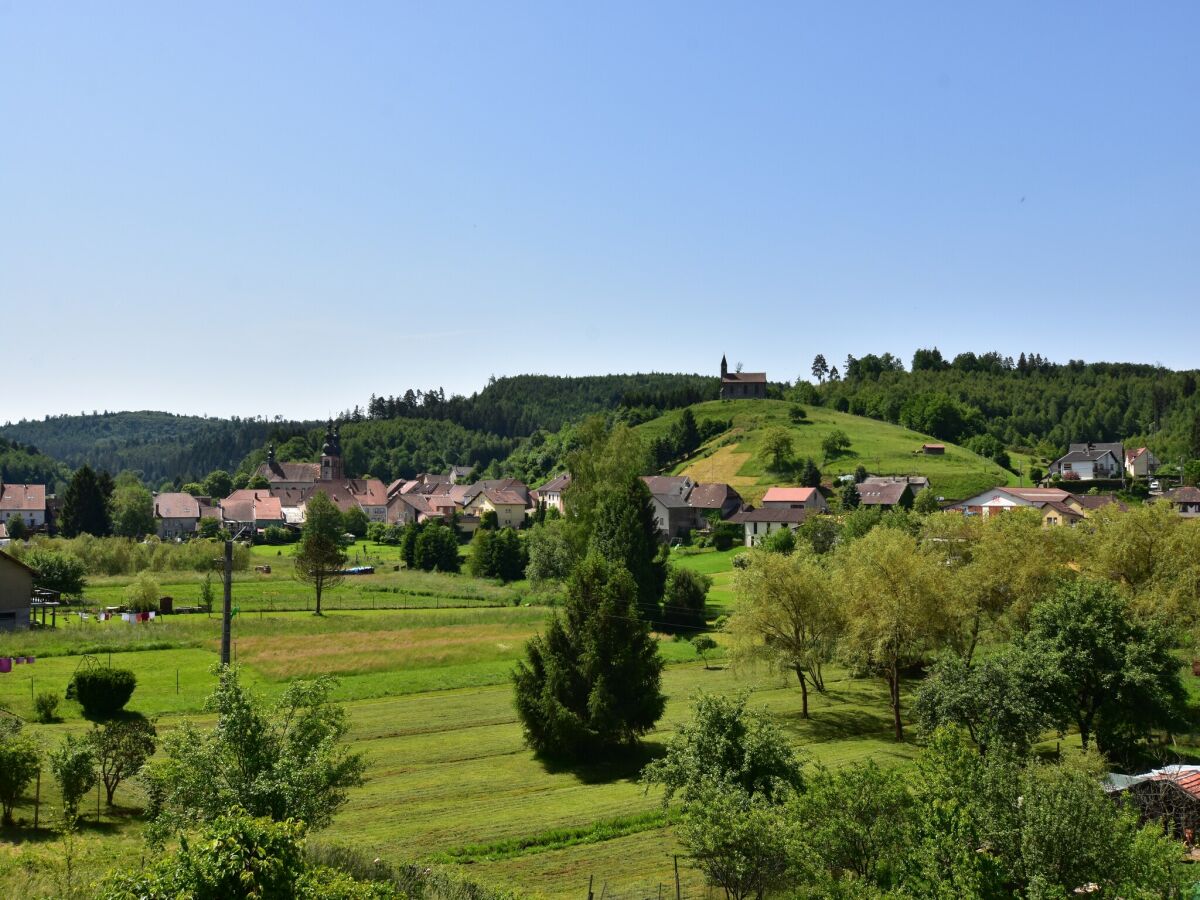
(393,436)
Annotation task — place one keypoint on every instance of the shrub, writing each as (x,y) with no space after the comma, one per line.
(725,535)
(74,768)
(683,599)
(20,761)
(704,645)
(437,548)
(275,534)
(46,706)
(102,692)
(143,594)
(782,541)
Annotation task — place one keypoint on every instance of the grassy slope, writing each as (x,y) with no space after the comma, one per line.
(884,449)
(430,705)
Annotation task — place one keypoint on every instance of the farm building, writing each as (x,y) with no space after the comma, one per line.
(1170,795)
(886,496)
(681,505)
(16,593)
(794,498)
(1186,501)
(933,449)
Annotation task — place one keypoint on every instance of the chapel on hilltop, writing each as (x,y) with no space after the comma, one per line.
(742,385)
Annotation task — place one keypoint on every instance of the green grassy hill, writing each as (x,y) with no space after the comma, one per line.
(883,448)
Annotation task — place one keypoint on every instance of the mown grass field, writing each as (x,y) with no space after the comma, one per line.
(450,780)
(883,448)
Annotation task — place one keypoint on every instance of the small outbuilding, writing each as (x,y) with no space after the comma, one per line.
(16,593)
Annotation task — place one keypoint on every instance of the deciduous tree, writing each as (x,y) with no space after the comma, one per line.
(895,607)
(284,761)
(121,747)
(789,614)
(320,556)
(73,763)
(776,448)
(1120,678)
(20,761)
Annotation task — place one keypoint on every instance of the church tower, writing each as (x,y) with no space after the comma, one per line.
(724,366)
(331,454)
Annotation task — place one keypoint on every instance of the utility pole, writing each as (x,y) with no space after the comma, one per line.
(227,610)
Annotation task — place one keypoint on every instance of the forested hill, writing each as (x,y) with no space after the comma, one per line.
(162,446)
(519,405)
(27,465)
(1027,402)
(394,436)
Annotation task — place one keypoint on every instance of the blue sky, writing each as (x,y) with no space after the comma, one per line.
(281,208)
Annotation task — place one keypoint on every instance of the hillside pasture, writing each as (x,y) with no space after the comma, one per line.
(428,694)
(884,449)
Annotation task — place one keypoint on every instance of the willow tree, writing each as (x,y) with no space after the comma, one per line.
(788,614)
(895,601)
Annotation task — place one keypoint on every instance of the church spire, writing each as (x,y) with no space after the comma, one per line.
(724,366)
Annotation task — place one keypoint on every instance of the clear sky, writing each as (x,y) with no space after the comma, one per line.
(280,208)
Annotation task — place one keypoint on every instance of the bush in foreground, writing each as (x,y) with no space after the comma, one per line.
(241,858)
(101,691)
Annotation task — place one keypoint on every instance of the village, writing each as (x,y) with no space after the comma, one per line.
(1087,477)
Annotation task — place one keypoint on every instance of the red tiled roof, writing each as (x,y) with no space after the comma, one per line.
(713,495)
(1186,781)
(23,497)
(788,495)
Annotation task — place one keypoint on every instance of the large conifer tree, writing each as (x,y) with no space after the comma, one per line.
(593,681)
(85,504)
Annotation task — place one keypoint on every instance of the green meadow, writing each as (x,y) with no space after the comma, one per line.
(450,782)
(884,449)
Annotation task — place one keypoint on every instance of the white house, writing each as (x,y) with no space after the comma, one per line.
(24,501)
(758,523)
(1140,463)
(1087,462)
(551,493)
(1002,499)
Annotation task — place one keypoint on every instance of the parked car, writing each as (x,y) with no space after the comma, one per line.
(1154,485)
